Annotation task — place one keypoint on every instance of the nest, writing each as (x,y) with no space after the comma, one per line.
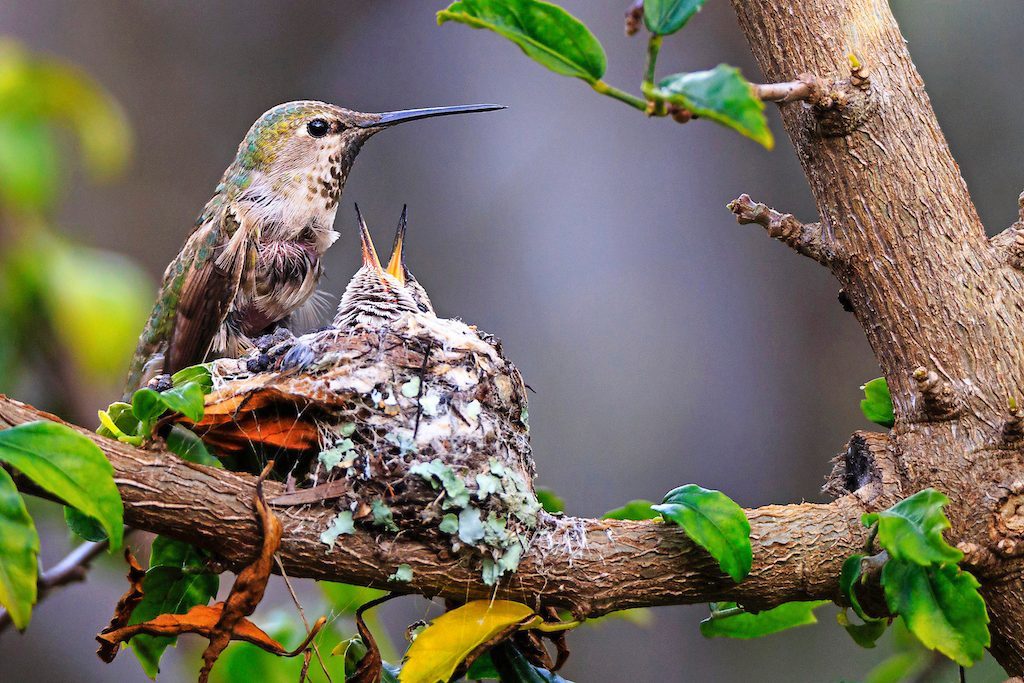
(420,428)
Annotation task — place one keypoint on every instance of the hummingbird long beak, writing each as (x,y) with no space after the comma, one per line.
(369,253)
(396,264)
(392,118)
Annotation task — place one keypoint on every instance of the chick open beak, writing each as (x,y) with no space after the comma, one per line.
(369,253)
(396,265)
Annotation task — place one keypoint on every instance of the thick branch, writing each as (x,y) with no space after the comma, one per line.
(589,566)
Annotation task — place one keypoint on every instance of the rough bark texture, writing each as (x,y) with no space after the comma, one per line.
(586,565)
(940,304)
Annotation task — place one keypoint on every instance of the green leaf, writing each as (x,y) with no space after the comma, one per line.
(897,668)
(19,552)
(663,17)
(747,625)
(121,415)
(176,581)
(722,95)
(187,399)
(877,403)
(866,634)
(635,510)
(187,445)
(482,668)
(199,374)
(940,605)
(549,500)
(715,522)
(84,526)
(71,467)
(848,582)
(912,529)
(545,32)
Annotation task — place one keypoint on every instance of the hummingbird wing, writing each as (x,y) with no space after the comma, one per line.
(209,288)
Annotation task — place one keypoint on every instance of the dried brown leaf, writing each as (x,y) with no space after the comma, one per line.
(125,606)
(250,585)
(371,665)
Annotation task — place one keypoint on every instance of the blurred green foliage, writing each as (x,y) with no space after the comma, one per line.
(68,313)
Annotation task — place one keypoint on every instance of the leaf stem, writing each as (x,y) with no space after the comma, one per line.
(727,612)
(611,91)
(653,47)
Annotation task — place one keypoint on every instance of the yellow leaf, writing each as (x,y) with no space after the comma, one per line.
(448,640)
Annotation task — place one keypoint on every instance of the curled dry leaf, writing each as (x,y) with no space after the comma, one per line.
(203,620)
(370,666)
(123,611)
(250,585)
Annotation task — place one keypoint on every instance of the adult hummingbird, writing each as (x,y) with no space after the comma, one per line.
(253,258)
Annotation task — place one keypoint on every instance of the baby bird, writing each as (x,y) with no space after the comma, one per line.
(398,269)
(376,297)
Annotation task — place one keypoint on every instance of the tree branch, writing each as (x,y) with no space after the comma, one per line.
(589,566)
(804,238)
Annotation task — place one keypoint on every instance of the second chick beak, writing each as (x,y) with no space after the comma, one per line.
(396,264)
(369,253)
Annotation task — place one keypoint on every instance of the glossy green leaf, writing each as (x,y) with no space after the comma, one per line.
(545,32)
(663,17)
(187,445)
(912,529)
(941,606)
(176,581)
(70,466)
(877,403)
(715,522)
(483,669)
(722,95)
(848,580)
(187,399)
(84,526)
(635,510)
(748,625)
(123,419)
(865,634)
(19,552)
(549,500)
(198,374)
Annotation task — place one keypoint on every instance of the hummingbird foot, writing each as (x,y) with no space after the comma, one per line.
(298,356)
(160,383)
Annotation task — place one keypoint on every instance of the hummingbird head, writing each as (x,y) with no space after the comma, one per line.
(305,149)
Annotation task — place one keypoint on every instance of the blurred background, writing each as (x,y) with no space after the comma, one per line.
(666,344)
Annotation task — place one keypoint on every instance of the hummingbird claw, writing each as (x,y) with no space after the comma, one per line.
(298,356)
(160,383)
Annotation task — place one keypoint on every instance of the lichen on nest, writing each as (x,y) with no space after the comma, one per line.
(425,423)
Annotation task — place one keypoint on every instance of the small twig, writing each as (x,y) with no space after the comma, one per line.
(805,88)
(305,621)
(419,393)
(73,568)
(806,238)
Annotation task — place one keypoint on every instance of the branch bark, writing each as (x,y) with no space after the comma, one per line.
(589,566)
(941,305)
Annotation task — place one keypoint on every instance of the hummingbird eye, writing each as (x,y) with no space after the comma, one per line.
(318,128)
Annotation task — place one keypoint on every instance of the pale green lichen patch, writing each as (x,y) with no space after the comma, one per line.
(486,484)
(403,574)
(472,409)
(429,404)
(449,524)
(341,455)
(341,524)
(402,440)
(411,389)
(470,528)
(382,515)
